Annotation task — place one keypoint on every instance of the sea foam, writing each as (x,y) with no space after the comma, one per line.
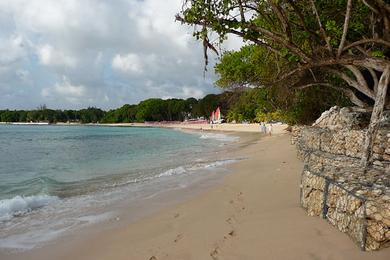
(20,205)
(220,137)
(194,167)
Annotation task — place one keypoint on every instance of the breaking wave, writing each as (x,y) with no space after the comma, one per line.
(19,205)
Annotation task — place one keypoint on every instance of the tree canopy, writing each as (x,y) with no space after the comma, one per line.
(317,40)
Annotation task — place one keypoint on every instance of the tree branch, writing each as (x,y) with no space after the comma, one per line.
(383,5)
(348,92)
(374,78)
(376,115)
(323,33)
(292,47)
(353,83)
(241,11)
(374,63)
(314,84)
(282,19)
(360,79)
(386,25)
(363,41)
(345,29)
(354,99)
(258,42)
(372,8)
(377,64)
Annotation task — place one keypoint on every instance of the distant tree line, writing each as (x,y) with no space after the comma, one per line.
(240,105)
(43,114)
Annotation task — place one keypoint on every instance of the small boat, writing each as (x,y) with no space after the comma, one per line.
(216,117)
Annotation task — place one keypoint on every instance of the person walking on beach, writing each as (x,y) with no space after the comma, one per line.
(270,129)
(263,128)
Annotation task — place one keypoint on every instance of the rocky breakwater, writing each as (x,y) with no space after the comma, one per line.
(334,186)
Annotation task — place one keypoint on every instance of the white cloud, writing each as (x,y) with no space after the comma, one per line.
(66,90)
(12,49)
(192,92)
(128,63)
(51,57)
(156,18)
(24,75)
(233,43)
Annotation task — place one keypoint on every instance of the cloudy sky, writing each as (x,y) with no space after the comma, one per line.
(79,53)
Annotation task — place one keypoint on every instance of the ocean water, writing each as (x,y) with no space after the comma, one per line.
(57,178)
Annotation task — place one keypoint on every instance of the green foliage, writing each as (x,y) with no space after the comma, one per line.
(90,115)
(334,30)
(206,105)
(251,102)
(43,114)
(124,114)
(276,115)
(272,104)
(307,105)
(378,54)
(9,116)
(155,109)
(252,65)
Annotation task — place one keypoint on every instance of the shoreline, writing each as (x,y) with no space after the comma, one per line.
(254,213)
(278,128)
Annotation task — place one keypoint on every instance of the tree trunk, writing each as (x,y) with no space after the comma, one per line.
(376,116)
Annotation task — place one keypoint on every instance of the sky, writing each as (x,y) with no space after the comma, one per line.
(71,54)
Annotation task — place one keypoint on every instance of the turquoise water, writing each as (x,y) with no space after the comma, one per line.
(52,177)
(71,160)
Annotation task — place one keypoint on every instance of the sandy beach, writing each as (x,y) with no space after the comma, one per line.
(253,214)
(277,128)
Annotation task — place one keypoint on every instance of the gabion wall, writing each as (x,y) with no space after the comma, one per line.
(336,188)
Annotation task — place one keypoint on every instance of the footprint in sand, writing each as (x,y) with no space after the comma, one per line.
(214,253)
(238,206)
(178,237)
(232,233)
(231,220)
(153,258)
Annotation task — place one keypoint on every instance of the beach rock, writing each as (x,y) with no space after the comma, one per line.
(312,193)
(337,118)
(354,141)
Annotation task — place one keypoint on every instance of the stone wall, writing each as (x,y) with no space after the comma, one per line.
(354,200)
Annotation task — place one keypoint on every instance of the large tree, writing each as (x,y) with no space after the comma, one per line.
(320,40)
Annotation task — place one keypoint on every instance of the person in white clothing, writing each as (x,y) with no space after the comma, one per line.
(269,129)
(263,128)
